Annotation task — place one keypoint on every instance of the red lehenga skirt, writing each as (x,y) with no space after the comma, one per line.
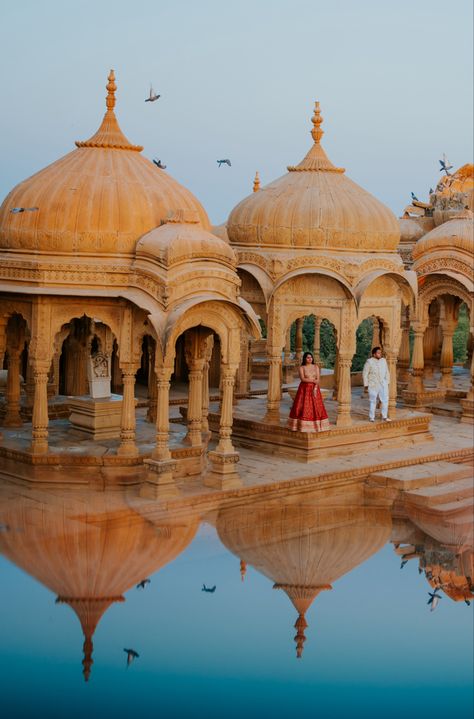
(308,413)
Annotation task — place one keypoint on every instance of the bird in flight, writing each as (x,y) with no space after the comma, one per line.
(434,599)
(152,96)
(404,561)
(224,162)
(210,590)
(131,655)
(159,164)
(16,210)
(445,165)
(414,197)
(143,583)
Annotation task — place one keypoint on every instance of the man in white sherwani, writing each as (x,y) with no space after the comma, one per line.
(377,379)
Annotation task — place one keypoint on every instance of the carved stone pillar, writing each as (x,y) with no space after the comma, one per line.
(447,359)
(317,340)
(335,388)
(162,450)
(206,434)
(299,340)
(376,333)
(287,353)
(40,421)
(193,436)
(344,391)
(403,363)
(127,447)
(391,358)
(242,383)
(159,482)
(415,383)
(467,404)
(3,344)
(152,385)
(12,394)
(224,458)
(55,383)
(274,385)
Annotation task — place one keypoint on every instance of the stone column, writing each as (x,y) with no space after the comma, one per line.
(56,359)
(344,391)
(336,376)
(376,338)
(159,480)
(317,340)
(193,436)
(127,447)
(242,383)
(12,394)
(415,383)
(299,340)
(468,403)
(40,421)
(206,434)
(403,363)
(391,358)
(152,385)
(446,362)
(274,385)
(3,343)
(224,458)
(287,353)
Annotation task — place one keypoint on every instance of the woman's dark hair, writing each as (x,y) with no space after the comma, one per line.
(303,361)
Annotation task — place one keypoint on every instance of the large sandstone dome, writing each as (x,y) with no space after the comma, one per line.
(456,234)
(314,206)
(98,199)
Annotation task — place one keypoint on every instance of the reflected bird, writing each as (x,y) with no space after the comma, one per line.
(404,561)
(210,590)
(153,96)
(16,210)
(224,162)
(434,600)
(445,165)
(143,583)
(159,164)
(466,601)
(131,656)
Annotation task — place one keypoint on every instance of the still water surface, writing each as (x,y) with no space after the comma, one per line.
(373,648)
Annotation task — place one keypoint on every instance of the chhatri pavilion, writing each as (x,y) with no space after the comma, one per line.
(131,330)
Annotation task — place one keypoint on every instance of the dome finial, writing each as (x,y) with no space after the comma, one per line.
(111,88)
(317,121)
(300,638)
(243,569)
(256,182)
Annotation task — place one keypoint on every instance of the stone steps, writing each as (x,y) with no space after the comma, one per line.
(442,494)
(428,474)
(447,409)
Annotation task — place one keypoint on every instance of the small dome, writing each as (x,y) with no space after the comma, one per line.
(314,206)
(98,199)
(457,233)
(182,237)
(410,230)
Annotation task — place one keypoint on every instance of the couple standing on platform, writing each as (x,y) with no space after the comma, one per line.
(308,413)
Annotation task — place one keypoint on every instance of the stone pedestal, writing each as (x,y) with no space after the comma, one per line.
(223,474)
(159,482)
(99,418)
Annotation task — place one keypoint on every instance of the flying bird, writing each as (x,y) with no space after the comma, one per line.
(143,583)
(434,599)
(131,655)
(445,165)
(159,164)
(224,162)
(153,96)
(414,197)
(210,590)
(16,210)
(404,561)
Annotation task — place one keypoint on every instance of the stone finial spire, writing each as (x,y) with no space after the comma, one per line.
(111,87)
(243,569)
(256,182)
(317,121)
(300,638)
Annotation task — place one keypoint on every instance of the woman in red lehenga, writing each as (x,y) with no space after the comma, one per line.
(308,413)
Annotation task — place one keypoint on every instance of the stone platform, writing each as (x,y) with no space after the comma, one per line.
(251,429)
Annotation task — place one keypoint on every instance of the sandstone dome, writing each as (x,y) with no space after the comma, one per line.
(182,238)
(98,199)
(314,206)
(455,234)
(410,230)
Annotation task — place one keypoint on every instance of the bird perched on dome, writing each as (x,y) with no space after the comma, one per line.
(445,165)
(153,96)
(224,162)
(414,197)
(159,164)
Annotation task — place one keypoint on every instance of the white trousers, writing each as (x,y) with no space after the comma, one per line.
(378,392)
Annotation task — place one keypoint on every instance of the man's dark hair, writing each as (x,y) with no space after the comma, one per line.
(374,350)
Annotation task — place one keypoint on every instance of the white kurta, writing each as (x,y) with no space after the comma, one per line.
(377,378)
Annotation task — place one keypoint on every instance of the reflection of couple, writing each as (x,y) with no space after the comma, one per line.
(308,413)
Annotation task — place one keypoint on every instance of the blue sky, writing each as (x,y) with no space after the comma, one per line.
(238,80)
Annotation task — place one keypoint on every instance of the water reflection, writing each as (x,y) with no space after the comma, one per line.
(90,547)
